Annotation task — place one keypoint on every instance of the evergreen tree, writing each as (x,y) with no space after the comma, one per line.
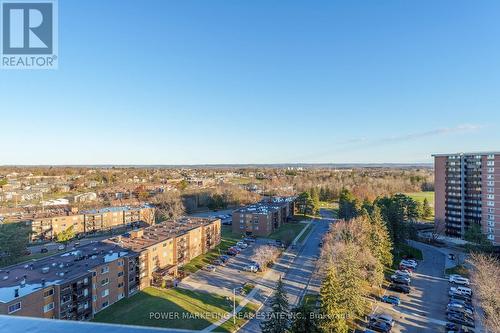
(305,204)
(302,321)
(349,206)
(315,199)
(350,275)
(279,321)
(332,310)
(427,210)
(380,238)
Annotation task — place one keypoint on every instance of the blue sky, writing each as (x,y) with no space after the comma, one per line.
(190,82)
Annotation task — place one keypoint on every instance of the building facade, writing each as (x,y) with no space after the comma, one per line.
(263,218)
(90,221)
(76,285)
(467,192)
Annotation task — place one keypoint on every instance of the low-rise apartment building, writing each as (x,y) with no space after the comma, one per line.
(467,192)
(85,222)
(77,284)
(262,218)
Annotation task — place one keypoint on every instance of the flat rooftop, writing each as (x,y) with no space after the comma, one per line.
(160,232)
(469,153)
(56,269)
(113,209)
(262,207)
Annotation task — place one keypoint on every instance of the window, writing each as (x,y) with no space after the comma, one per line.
(105,304)
(104,282)
(120,263)
(48,293)
(104,269)
(94,298)
(48,307)
(105,293)
(120,285)
(120,274)
(121,296)
(14,307)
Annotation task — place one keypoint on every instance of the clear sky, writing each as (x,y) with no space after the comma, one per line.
(191,82)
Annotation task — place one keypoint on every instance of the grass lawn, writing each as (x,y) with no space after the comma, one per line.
(228,239)
(177,303)
(287,231)
(459,269)
(241,317)
(405,250)
(420,196)
(310,300)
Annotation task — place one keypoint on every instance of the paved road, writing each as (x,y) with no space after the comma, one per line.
(424,309)
(296,268)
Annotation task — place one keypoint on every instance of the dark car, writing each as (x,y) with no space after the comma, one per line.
(380,326)
(462,320)
(401,288)
(44,250)
(400,280)
(231,252)
(224,258)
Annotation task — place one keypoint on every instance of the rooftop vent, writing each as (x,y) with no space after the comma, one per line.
(45,270)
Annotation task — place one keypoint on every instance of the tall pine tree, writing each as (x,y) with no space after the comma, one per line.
(332,310)
(279,318)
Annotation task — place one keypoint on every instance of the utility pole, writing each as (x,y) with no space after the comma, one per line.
(234,306)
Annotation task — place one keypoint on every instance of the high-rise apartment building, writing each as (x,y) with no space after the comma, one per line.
(467,190)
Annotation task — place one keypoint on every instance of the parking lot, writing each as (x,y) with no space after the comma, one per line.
(225,278)
(424,309)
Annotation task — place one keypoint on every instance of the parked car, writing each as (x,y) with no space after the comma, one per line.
(209,268)
(461,290)
(400,279)
(460,311)
(251,268)
(231,252)
(380,326)
(218,262)
(461,302)
(383,318)
(61,247)
(465,308)
(235,249)
(242,245)
(224,258)
(457,279)
(44,250)
(249,240)
(391,299)
(401,288)
(462,320)
(404,272)
(409,263)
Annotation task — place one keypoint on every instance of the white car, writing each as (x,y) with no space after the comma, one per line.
(209,268)
(457,279)
(409,263)
(461,291)
(242,245)
(61,247)
(403,272)
(251,268)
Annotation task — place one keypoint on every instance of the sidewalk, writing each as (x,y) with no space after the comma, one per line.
(264,287)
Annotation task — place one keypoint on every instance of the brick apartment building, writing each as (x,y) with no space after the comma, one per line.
(467,191)
(75,285)
(262,218)
(46,228)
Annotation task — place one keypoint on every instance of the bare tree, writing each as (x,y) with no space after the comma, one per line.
(485,272)
(265,255)
(168,205)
